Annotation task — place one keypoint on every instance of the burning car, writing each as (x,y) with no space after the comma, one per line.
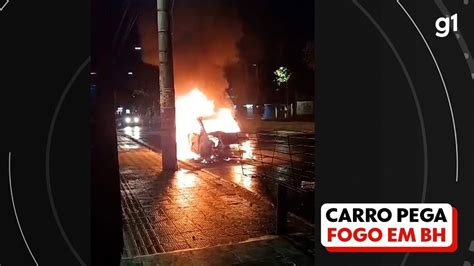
(214,146)
(207,133)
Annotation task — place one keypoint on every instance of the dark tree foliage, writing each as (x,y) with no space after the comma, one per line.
(275,33)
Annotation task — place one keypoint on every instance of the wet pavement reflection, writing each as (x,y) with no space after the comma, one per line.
(186,209)
(248,176)
(125,144)
(133,131)
(241,179)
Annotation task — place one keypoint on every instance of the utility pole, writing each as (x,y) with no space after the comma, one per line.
(167,99)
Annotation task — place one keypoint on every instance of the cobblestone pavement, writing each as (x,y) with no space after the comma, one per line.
(269,251)
(187,209)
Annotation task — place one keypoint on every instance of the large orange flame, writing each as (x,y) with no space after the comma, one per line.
(189,108)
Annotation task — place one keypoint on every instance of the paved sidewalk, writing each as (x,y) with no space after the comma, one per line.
(268,251)
(185,210)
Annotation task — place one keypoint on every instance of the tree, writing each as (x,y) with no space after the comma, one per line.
(283,75)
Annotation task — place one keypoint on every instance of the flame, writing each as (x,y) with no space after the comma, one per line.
(189,108)
(247,149)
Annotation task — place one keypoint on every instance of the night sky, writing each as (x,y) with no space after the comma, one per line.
(210,36)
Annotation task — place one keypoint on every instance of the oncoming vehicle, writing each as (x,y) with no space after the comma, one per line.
(128,119)
(131,120)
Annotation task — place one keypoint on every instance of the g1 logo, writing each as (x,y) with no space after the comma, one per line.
(443,25)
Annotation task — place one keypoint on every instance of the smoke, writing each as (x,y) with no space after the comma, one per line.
(204,42)
(148,32)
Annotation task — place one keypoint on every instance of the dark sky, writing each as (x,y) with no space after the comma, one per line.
(209,34)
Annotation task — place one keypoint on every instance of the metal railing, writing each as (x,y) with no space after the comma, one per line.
(286,161)
(289,158)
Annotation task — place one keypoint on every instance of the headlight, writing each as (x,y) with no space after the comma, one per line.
(136,119)
(128,120)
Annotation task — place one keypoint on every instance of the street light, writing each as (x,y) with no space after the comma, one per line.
(137,48)
(130,73)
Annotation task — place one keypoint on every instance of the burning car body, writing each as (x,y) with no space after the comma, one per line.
(214,146)
(202,133)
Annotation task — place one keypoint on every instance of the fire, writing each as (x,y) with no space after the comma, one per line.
(189,108)
(247,149)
